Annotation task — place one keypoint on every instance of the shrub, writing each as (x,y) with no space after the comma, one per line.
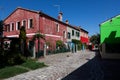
(78,42)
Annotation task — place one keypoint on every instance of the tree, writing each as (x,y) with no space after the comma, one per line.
(1,34)
(38,36)
(1,28)
(95,39)
(23,43)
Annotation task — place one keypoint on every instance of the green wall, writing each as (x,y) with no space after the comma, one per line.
(110,31)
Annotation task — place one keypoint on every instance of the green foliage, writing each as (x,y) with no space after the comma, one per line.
(95,39)
(29,64)
(78,42)
(32,64)
(79,46)
(22,34)
(15,58)
(38,35)
(59,43)
(1,26)
(12,56)
(23,43)
(11,71)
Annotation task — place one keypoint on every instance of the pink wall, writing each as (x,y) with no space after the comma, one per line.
(43,23)
(19,15)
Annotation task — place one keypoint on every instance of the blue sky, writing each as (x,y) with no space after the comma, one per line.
(85,13)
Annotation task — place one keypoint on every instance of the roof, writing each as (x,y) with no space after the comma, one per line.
(41,13)
(21,9)
(108,20)
(83,30)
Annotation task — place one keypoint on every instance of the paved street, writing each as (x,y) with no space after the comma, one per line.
(60,65)
(84,65)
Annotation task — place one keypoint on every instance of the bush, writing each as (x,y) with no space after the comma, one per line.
(8,58)
(15,59)
(78,42)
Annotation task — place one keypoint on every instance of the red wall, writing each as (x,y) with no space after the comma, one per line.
(45,25)
(48,27)
(84,39)
(20,15)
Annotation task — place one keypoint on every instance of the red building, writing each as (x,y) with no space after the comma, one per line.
(36,22)
(84,36)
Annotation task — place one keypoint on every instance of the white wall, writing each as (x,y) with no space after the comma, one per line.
(69,29)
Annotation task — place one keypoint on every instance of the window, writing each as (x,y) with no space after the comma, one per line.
(64,34)
(77,34)
(72,32)
(57,27)
(12,26)
(30,45)
(24,23)
(30,23)
(18,26)
(69,36)
(7,28)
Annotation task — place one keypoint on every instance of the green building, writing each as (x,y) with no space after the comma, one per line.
(110,38)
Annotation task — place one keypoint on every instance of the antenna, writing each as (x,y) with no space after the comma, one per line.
(58,6)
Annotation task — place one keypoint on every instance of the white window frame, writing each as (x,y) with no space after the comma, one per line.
(25,21)
(11,26)
(57,27)
(17,25)
(29,23)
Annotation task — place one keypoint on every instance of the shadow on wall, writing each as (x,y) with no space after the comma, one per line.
(112,43)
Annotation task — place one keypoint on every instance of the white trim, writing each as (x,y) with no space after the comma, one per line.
(57,27)
(22,22)
(10,26)
(16,25)
(18,35)
(52,35)
(13,36)
(30,34)
(28,23)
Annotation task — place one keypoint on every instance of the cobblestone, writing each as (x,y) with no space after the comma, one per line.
(60,65)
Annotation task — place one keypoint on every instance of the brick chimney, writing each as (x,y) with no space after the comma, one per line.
(60,16)
(67,22)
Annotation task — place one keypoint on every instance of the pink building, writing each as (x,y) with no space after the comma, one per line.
(36,22)
(84,36)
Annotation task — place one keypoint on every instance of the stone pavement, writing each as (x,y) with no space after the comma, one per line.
(60,67)
(89,71)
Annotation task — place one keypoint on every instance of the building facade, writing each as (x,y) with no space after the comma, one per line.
(84,38)
(110,38)
(73,33)
(35,22)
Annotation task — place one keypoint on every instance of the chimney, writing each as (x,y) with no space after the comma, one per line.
(67,22)
(60,16)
